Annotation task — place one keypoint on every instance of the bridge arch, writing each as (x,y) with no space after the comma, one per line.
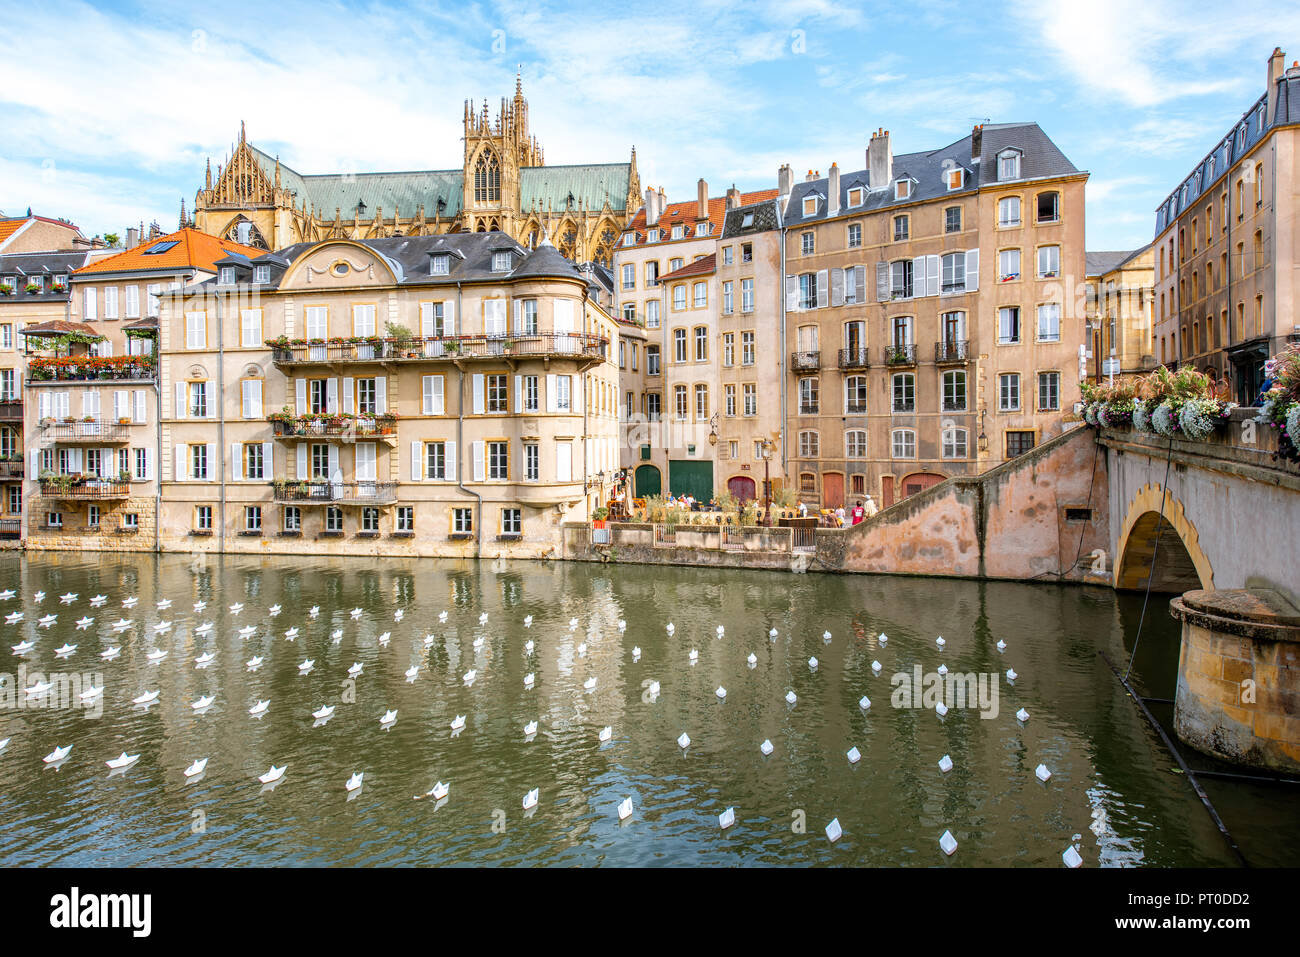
(1181,564)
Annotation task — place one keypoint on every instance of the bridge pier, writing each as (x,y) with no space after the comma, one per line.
(1238,693)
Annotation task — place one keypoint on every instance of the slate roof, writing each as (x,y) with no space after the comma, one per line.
(766,217)
(1100,262)
(1245,135)
(48,265)
(686,215)
(1040,158)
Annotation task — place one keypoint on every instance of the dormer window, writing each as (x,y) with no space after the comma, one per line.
(857,195)
(701,229)
(652,236)
(747,221)
(903,189)
(501,262)
(810,206)
(954,178)
(440,265)
(226,276)
(678,232)
(35,285)
(261,274)
(1009,165)
(629,239)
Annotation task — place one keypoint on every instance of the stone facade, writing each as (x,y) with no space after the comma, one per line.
(1121,311)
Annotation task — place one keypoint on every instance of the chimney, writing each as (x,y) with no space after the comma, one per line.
(880,160)
(1276,64)
(132,237)
(651,206)
(702,198)
(833,191)
(976,142)
(784,180)
(733,197)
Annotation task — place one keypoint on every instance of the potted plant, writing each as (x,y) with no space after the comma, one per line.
(599,516)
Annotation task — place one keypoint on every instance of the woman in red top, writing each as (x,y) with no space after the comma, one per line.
(858,513)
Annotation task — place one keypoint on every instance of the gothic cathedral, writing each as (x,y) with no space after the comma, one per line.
(503,185)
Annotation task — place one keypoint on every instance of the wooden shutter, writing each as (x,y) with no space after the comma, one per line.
(417,459)
(426,395)
(552,403)
(303,466)
(476,454)
(837,286)
(519,316)
(972,270)
(268,460)
(180,410)
(148,463)
(140,414)
(300,395)
(255,398)
(449,457)
(349,390)
(214,464)
(932,277)
(449,318)
(918,276)
(381,395)
(332,395)
(236,462)
(121,404)
(519,394)
(478,394)
(882,282)
(823,288)
(178,463)
(792,303)
(214,391)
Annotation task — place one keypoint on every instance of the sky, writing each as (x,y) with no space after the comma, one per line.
(110,110)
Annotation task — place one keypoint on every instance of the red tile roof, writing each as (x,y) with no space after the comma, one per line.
(700,267)
(193,249)
(687,215)
(12,224)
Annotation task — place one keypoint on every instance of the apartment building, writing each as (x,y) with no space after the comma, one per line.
(449,395)
(1226,244)
(933,312)
(679,400)
(750,354)
(1120,312)
(91,399)
(35,234)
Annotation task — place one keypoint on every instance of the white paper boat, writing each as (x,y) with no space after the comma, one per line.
(530,799)
(625,809)
(791,697)
(354,782)
(854,755)
(58,754)
(684,741)
(124,760)
(766,747)
(530,729)
(389,717)
(307,665)
(149,697)
(356,669)
(458,722)
(196,768)
(721,692)
(205,701)
(1042,773)
(606,734)
(254,662)
(948,843)
(66,651)
(83,623)
(260,707)
(206,658)
(590,683)
(440,791)
(111,654)
(1022,715)
(40,688)
(91,693)
(158,654)
(945,764)
(323,712)
(23,646)
(864,702)
(833,831)
(727,818)
(98,601)
(274,774)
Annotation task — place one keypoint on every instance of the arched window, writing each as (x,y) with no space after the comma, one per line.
(809,446)
(855,444)
(487,179)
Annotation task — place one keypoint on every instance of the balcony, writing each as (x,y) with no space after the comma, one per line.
(335,493)
(854,358)
(76,431)
(901,355)
(339,426)
(11,410)
(76,488)
(289,352)
(11,470)
(89,368)
(805,361)
(952,351)
(11,527)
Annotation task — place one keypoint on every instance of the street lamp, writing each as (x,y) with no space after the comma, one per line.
(766,446)
(713,429)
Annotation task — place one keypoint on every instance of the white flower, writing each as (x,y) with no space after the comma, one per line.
(1198,417)
(1293,423)
(1101,417)
(1141,421)
(1162,419)
(1265,412)
(1090,413)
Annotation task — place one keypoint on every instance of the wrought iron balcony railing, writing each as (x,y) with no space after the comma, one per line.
(952,350)
(319,492)
(11,410)
(84,489)
(335,426)
(854,358)
(805,361)
(423,348)
(901,355)
(82,430)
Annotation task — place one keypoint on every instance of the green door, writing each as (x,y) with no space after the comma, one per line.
(691,478)
(647,481)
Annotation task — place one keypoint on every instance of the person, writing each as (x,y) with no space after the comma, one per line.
(803,509)
(859,513)
(839,516)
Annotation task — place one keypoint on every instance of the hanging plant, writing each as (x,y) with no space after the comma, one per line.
(1198,417)
(1164,420)
(1141,416)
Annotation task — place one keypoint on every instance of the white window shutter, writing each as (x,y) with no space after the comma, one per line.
(121,403)
(882,282)
(236,462)
(417,459)
(426,319)
(148,464)
(336,474)
(519,316)
(519,394)
(564,461)
(478,394)
(918,276)
(106,347)
(439,398)
(332,396)
(74,459)
(972,270)
(860,282)
(449,318)
(823,288)
(365,462)
(42,406)
(477,454)
(426,395)
(268,459)
(255,398)
(36,468)
(140,414)
(178,462)
(381,395)
(451,460)
(214,467)
(837,286)
(180,410)
(552,403)
(300,395)
(792,293)
(349,390)
(214,397)
(302,462)
(932,275)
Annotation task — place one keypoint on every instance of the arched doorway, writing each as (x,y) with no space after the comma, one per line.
(918,482)
(744,488)
(648,481)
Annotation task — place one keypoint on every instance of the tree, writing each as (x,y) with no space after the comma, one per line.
(111,238)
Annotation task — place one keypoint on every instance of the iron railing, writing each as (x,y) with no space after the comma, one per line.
(854,358)
(901,355)
(85,490)
(805,361)
(335,493)
(952,350)
(423,348)
(11,410)
(11,469)
(335,426)
(80,430)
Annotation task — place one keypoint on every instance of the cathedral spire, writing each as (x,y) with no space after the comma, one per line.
(241,133)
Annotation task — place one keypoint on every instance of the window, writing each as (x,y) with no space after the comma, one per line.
(809,446)
(1009,211)
(954,178)
(254,466)
(370,520)
(203,518)
(320,461)
(92,516)
(1008,265)
(855,235)
(807,243)
(808,290)
(728,255)
(532,462)
(746,252)
(855,395)
(1019,442)
(250,328)
(701,403)
(435,460)
(291,518)
(701,343)
(904,443)
(701,295)
(728,348)
(729,400)
(902,189)
(808,404)
(226,275)
(954,443)
(487,178)
(334,519)
(1009,392)
(629,312)
(511,522)
(1049,391)
(252,518)
(954,391)
(904,390)
(462,521)
(1049,207)
(679,345)
(629,276)
(749,392)
(1049,322)
(679,402)
(1009,165)
(952,219)
(746,295)
(498,394)
(900,279)
(678,232)
(563,393)
(198,400)
(728,298)
(261,274)
(1008,325)
(1049,262)
(901,228)
(677,262)
(498,461)
(856,196)
(652,273)
(196,332)
(747,348)
(440,265)
(679,297)
(405,521)
(652,314)
(651,360)
(954,272)
(855,444)
(198,462)
(810,206)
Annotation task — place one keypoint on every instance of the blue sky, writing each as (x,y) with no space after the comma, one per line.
(111,109)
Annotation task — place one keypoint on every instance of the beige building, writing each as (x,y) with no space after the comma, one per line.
(1226,245)
(1121,312)
(934,312)
(440,395)
(91,399)
(35,234)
